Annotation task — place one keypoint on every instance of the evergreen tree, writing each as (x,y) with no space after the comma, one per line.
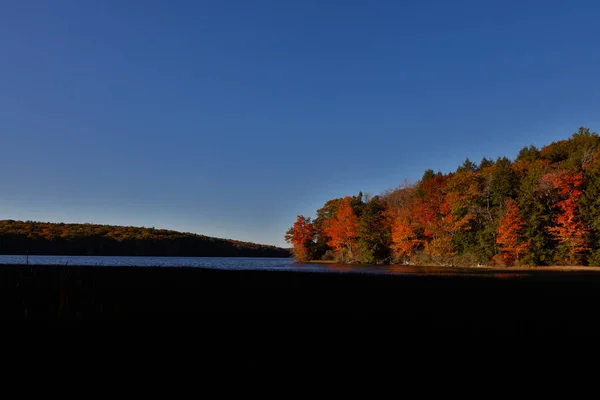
(589,206)
(536,208)
(374,233)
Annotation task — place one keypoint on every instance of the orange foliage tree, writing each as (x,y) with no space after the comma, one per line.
(301,235)
(404,229)
(428,213)
(569,229)
(510,233)
(342,230)
(442,213)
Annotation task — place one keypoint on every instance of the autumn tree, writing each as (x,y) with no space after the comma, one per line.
(442,211)
(406,236)
(406,233)
(569,230)
(301,236)
(463,194)
(429,213)
(342,230)
(324,215)
(322,249)
(510,233)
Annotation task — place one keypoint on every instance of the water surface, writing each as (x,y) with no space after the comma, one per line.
(242,263)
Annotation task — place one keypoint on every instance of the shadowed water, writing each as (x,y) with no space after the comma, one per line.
(235,263)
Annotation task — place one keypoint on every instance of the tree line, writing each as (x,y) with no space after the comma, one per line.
(542,208)
(41,238)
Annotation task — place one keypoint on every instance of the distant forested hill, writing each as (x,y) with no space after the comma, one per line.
(18,237)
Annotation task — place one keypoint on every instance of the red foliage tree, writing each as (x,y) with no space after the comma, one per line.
(442,213)
(301,235)
(569,229)
(510,233)
(342,230)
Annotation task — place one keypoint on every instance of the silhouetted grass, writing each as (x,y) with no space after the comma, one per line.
(529,303)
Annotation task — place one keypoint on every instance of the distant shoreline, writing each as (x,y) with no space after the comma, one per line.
(45,238)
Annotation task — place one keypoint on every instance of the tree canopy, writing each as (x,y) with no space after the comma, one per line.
(542,208)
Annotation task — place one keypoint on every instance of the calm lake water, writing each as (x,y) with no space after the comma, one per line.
(240,263)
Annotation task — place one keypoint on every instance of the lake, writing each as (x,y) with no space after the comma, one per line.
(240,263)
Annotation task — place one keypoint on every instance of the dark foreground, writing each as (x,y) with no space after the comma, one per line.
(528,303)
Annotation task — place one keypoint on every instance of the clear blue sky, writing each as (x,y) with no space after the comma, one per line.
(229,118)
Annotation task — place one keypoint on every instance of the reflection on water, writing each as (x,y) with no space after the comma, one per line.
(278,264)
(334,267)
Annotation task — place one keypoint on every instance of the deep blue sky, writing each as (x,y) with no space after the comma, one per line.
(229,118)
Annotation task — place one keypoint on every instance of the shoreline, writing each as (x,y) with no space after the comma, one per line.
(561,268)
